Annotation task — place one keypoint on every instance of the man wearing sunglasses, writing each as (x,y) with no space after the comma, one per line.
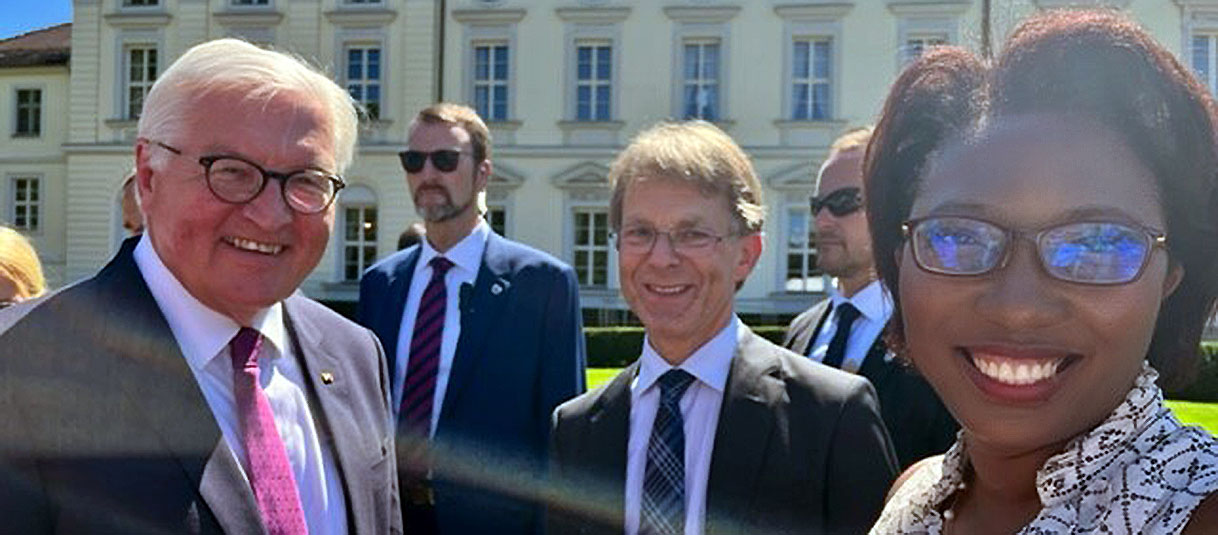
(484,339)
(189,387)
(844,331)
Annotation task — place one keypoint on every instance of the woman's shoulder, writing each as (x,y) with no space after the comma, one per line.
(928,469)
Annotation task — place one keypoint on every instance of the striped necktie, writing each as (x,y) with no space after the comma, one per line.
(663,507)
(420,389)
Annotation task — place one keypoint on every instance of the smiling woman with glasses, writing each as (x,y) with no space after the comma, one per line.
(1044,225)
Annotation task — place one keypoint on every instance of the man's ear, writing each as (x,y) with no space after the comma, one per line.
(143,170)
(482,174)
(751,247)
(1175,274)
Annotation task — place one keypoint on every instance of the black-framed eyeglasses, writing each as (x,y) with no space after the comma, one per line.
(641,239)
(444,160)
(1082,252)
(235,180)
(840,202)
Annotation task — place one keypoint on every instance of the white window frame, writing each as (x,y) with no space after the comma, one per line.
(585,187)
(1201,21)
(811,274)
(491,82)
(493,205)
(365,38)
(808,22)
(598,48)
(701,81)
(489,27)
(812,81)
(925,20)
(250,4)
(143,40)
(360,3)
(602,30)
(591,248)
(38,115)
(361,198)
(920,42)
(140,4)
(36,207)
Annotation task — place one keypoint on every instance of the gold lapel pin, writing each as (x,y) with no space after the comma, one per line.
(327,377)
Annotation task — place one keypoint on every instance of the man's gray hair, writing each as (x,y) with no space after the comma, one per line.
(226,64)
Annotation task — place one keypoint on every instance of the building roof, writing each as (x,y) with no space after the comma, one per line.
(48,46)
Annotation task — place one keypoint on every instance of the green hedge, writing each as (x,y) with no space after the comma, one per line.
(616,347)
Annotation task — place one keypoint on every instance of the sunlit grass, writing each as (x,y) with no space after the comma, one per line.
(1189,412)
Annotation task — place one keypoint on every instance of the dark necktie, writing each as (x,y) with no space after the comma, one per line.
(420,388)
(663,506)
(269,472)
(846,314)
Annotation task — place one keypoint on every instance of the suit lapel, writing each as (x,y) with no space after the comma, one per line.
(605,443)
(491,292)
(335,418)
(390,322)
(163,390)
(743,435)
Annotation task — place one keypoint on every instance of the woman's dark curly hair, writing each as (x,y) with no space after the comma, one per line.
(1092,64)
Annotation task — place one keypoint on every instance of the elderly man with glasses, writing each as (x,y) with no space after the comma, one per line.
(713,429)
(845,330)
(188,387)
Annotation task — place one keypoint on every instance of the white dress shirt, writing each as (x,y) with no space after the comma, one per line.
(700,411)
(875,308)
(466,257)
(203,336)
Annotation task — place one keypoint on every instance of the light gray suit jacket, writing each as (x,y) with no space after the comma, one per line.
(103,428)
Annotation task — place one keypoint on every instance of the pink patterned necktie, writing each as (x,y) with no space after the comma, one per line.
(269,472)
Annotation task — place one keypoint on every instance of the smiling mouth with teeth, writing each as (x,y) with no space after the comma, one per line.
(1018,371)
(667,290)
(253,246)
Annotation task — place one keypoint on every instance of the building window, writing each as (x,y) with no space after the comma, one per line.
(1205,56)
(140,3)
(918,43)
(593,80)
(701,80)
(810,80)
(27,203)
(359,240)
(362,2)
(29,112)
(245,3)
(802,274)
(364,78)
(496,217)
(141,74)
(591,246)
(491,81)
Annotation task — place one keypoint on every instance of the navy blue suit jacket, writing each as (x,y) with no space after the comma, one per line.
(520,354)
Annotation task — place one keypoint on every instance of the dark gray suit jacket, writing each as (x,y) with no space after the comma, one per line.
(918,422)
(799,448)
(103,428)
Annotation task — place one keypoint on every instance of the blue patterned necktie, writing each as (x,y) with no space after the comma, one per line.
(663,508)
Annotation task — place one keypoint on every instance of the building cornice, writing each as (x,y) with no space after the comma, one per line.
(701,14)
(489,16)
(361,17)
(813,10)
(594,15)
(248,18)
(138,19)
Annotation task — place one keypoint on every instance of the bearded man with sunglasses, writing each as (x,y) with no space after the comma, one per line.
(188,387)
(484,339)
(845,330)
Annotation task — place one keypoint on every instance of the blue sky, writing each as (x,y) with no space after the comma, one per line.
(21,16)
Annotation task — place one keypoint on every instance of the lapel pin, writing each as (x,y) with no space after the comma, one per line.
(496,289)
(327,377)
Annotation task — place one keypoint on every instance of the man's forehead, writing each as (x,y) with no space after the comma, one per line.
(842,169)
(441,131)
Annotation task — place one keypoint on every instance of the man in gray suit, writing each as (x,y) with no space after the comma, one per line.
(187,387)
(713,429)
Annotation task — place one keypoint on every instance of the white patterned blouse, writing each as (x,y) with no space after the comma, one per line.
(1139,472)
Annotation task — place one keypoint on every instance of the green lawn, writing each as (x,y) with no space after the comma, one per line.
(1190,412)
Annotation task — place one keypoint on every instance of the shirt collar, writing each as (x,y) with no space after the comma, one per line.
(708,364)
(872,301)
(200,331)
(466,254)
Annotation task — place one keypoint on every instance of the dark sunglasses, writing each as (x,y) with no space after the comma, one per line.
(840,203)
(444,160)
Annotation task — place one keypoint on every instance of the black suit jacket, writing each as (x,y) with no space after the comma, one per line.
(799,448)
(103,428)
(520,354)
(918,422)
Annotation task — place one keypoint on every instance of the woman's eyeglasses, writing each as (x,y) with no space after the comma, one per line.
(842,202)
(1084,252)
(444,160)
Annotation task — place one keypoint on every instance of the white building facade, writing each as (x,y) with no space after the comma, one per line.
(564,85)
